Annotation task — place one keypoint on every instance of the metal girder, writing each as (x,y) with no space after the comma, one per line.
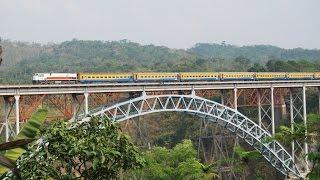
(227,117)
(8,127)
(297,107)
(148,86)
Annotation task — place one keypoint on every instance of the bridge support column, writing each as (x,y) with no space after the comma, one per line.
(6,118)
(318,100)
(17,107)
(298,114)
(292,123)
(74,106)
(305,123)
(86,103)
(272,111)
(235,98)
(259,107)
(222,99)
(6,124)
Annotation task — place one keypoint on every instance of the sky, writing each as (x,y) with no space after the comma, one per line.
(172,23)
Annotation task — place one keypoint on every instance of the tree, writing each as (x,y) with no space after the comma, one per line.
(91,150)
(0,53)
(310,133)
(257,68)
(177,163)
(14,149)
(241,63)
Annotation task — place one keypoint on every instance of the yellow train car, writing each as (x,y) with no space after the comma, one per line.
(104,77)
(199,76)
(300,75)
(316,75)
(236,76)
(155,76)
(270,75)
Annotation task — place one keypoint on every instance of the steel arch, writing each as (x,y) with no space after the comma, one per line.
(231,119)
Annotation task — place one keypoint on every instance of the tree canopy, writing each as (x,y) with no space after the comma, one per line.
(91,150)
(24,59)
(310,133)
(180,162)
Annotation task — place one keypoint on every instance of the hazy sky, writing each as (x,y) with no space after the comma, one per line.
(173,23)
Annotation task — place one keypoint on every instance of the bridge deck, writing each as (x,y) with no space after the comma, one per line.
(150,86)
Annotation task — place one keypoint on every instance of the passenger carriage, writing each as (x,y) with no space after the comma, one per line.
(300,75)
(155,76)
(270,76)
(199,76)
(244,76)
(104,77)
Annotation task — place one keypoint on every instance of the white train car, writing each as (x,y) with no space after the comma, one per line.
(54,78)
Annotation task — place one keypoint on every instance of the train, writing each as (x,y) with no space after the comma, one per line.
(86,78)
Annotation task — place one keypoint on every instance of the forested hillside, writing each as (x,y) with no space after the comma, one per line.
(257,53)
(22,59)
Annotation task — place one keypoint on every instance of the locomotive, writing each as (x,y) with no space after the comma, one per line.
(85,78)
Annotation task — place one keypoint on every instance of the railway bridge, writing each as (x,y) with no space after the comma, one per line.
(217,102)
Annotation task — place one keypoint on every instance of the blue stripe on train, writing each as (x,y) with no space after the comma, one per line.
(234,79)
(199,79)
(106,80)
(156,79)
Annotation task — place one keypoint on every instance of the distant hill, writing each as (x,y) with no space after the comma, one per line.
(22,59)
(257,53)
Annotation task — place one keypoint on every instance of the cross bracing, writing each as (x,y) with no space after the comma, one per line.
(227,117)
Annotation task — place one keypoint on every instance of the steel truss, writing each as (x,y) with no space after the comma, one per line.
(224,116)
(18,109)
(297,108)
(214,144)
(10,127)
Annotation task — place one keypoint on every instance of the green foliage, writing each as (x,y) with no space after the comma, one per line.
(28,133)
(24,59)
(91,150)
(177,163)
(249,164)
(241,64)
(32,127)
(247,156)
(257,68)
(286,135)
(257,53)
(190,169)
(310,133)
